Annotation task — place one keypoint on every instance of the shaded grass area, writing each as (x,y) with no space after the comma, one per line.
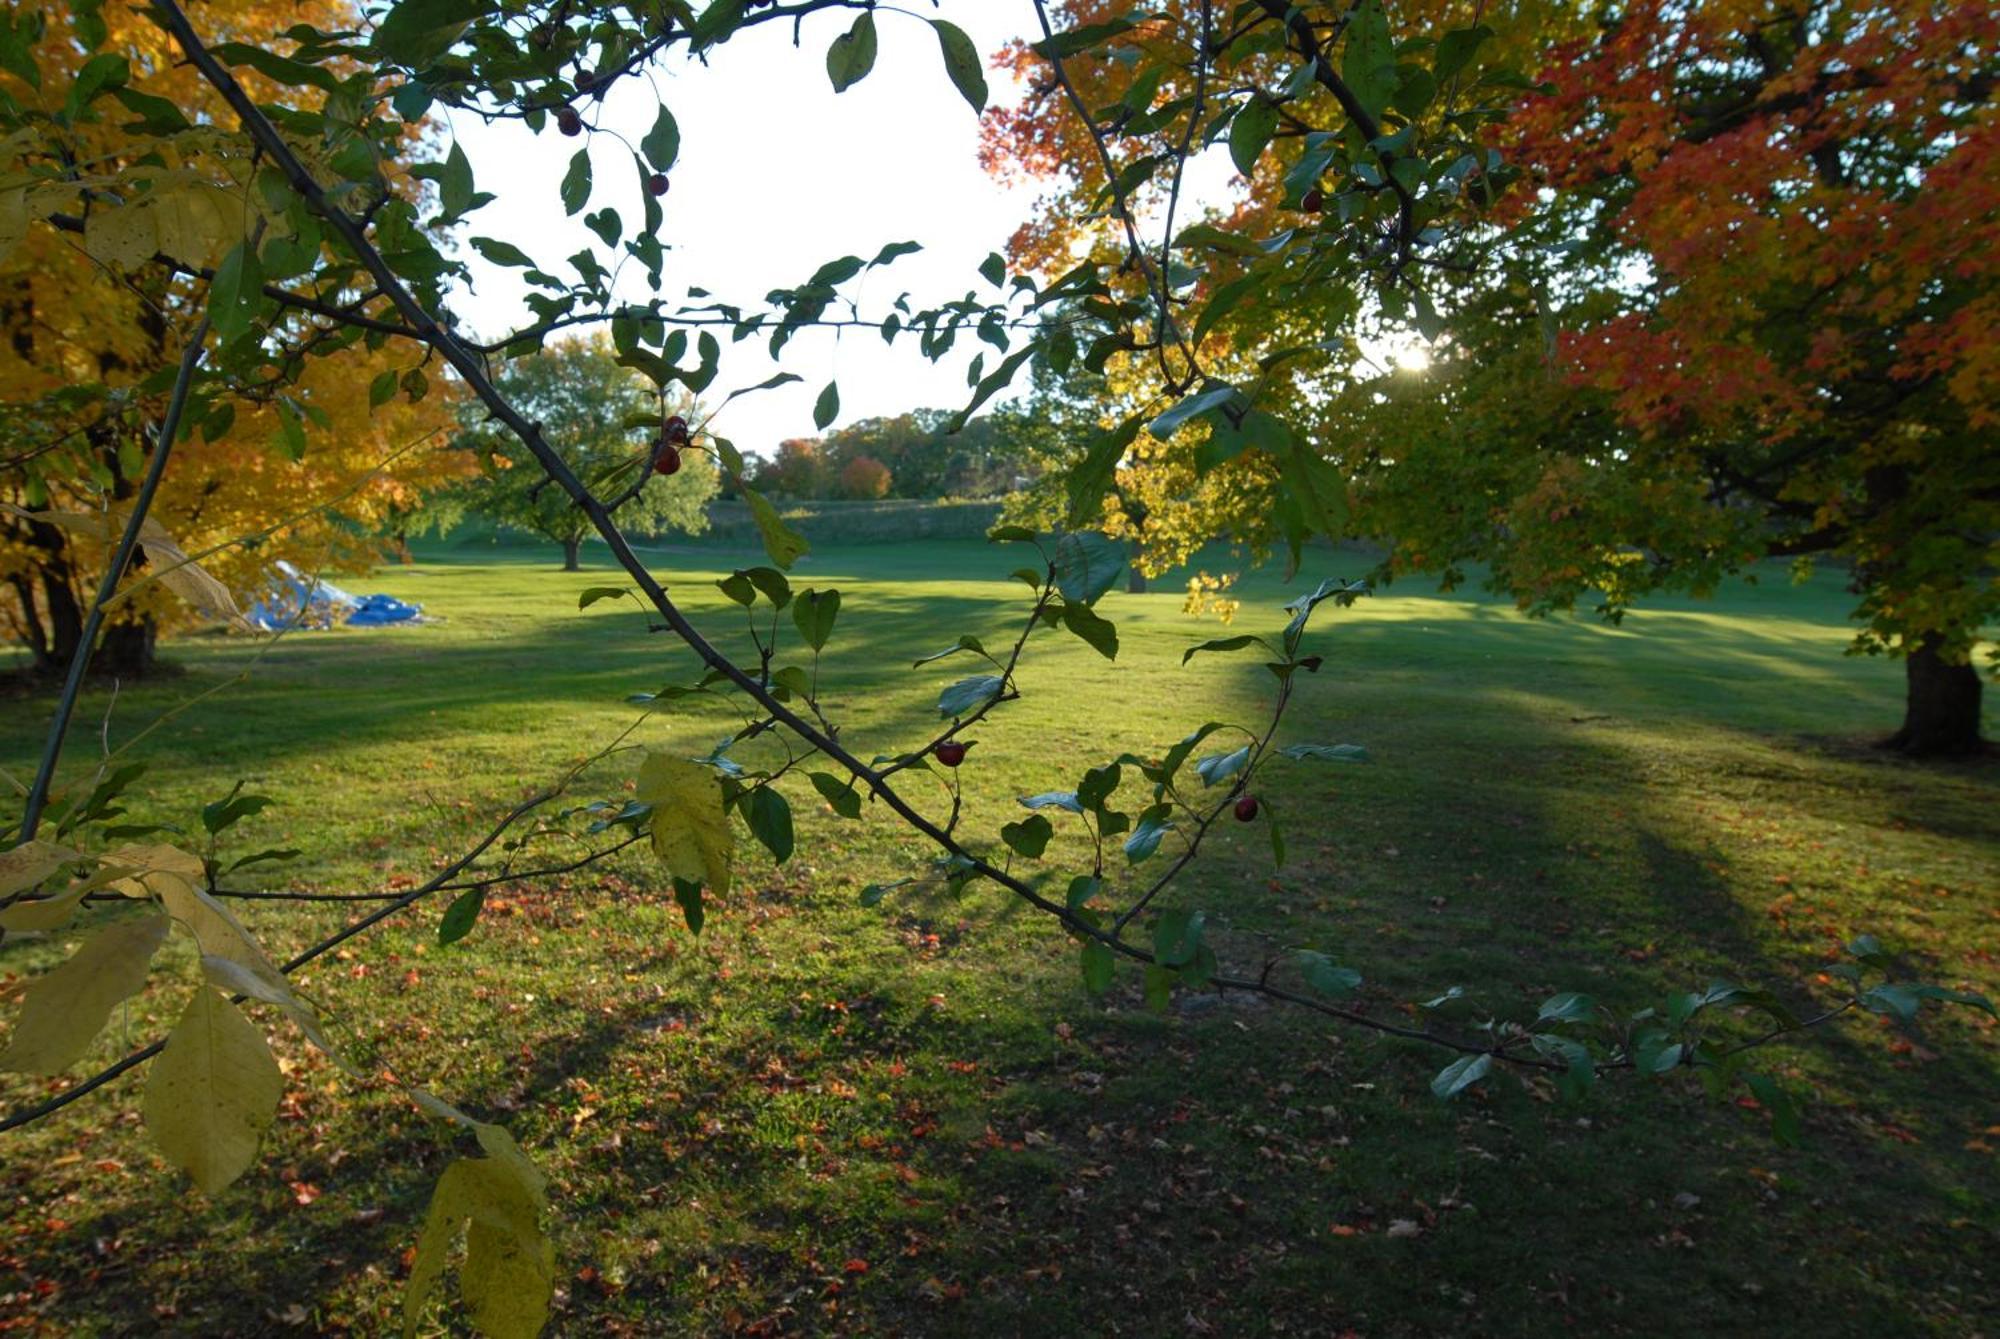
(819,1118)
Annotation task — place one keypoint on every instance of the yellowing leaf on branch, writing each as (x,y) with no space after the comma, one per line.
(690,828)
(219,933)
(30,863)
(508,1275)
(68,1006)
(213,1092)
(121,236)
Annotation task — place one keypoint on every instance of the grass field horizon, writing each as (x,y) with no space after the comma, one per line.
(924,1090)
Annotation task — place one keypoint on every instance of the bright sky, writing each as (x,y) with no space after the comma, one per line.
(777,175)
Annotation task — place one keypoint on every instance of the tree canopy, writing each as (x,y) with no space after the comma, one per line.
(1733,311)
(607,424)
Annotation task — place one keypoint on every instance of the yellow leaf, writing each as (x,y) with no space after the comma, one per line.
(13,218)
(123,237)
(31,862)
(212,1092)
(509,1272)
(218,932)
(181,574)
(67,1007)
(44,913)
(189,226)
(240,980)
(691,834)
(146,859)
(56,910)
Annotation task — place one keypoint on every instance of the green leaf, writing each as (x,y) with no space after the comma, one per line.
(662,144)
(233,809)
(1166,424)
(1177,937)
(769,814)
(827,408)
(962,63)
(993,269)
(1097,785)
(1327,976)
(852,54)
(416,32)
(1461,1074)
(687,892)
(575,190)
(1221,644)
(1326,752)
(1100,966)
(236,291)
(1091,478)
(770,582)
(784,544)
(1456,49)
(460,915)
(1251,132)
(1153,824)
(969,693)
(1368,64)
(1568,1007)
(455,189)
(1074,40)
(844,798)
(593,594)
(1102,635)
(502,253)
(1786,1127)
(1087,563)
(965,643)
(875,892)
(382,389)
(1029,837)
(1053,799)
(1219,767)
(814,612)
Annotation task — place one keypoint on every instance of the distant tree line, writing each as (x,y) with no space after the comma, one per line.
(907,456)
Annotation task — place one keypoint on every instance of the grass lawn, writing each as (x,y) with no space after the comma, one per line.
(819,1118)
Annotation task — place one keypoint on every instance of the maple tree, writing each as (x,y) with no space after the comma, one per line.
(1739,309)
(321,252)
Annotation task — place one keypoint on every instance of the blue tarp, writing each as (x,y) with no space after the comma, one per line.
(295,598)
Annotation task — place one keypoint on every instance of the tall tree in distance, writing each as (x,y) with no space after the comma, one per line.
(605,421)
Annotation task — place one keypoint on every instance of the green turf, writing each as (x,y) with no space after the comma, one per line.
(734,1124)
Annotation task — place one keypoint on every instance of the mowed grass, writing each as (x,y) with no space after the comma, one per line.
(819,1118)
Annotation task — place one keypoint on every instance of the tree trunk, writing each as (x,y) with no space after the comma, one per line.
(403,554)
(126,649)
(1941,718)
(571,547)
(1135,581)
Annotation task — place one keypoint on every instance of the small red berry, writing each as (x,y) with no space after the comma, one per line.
(569,121)
(951,753)
(666,459)
(674,430)
(1313,200)
(1246,808)
(657,183)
